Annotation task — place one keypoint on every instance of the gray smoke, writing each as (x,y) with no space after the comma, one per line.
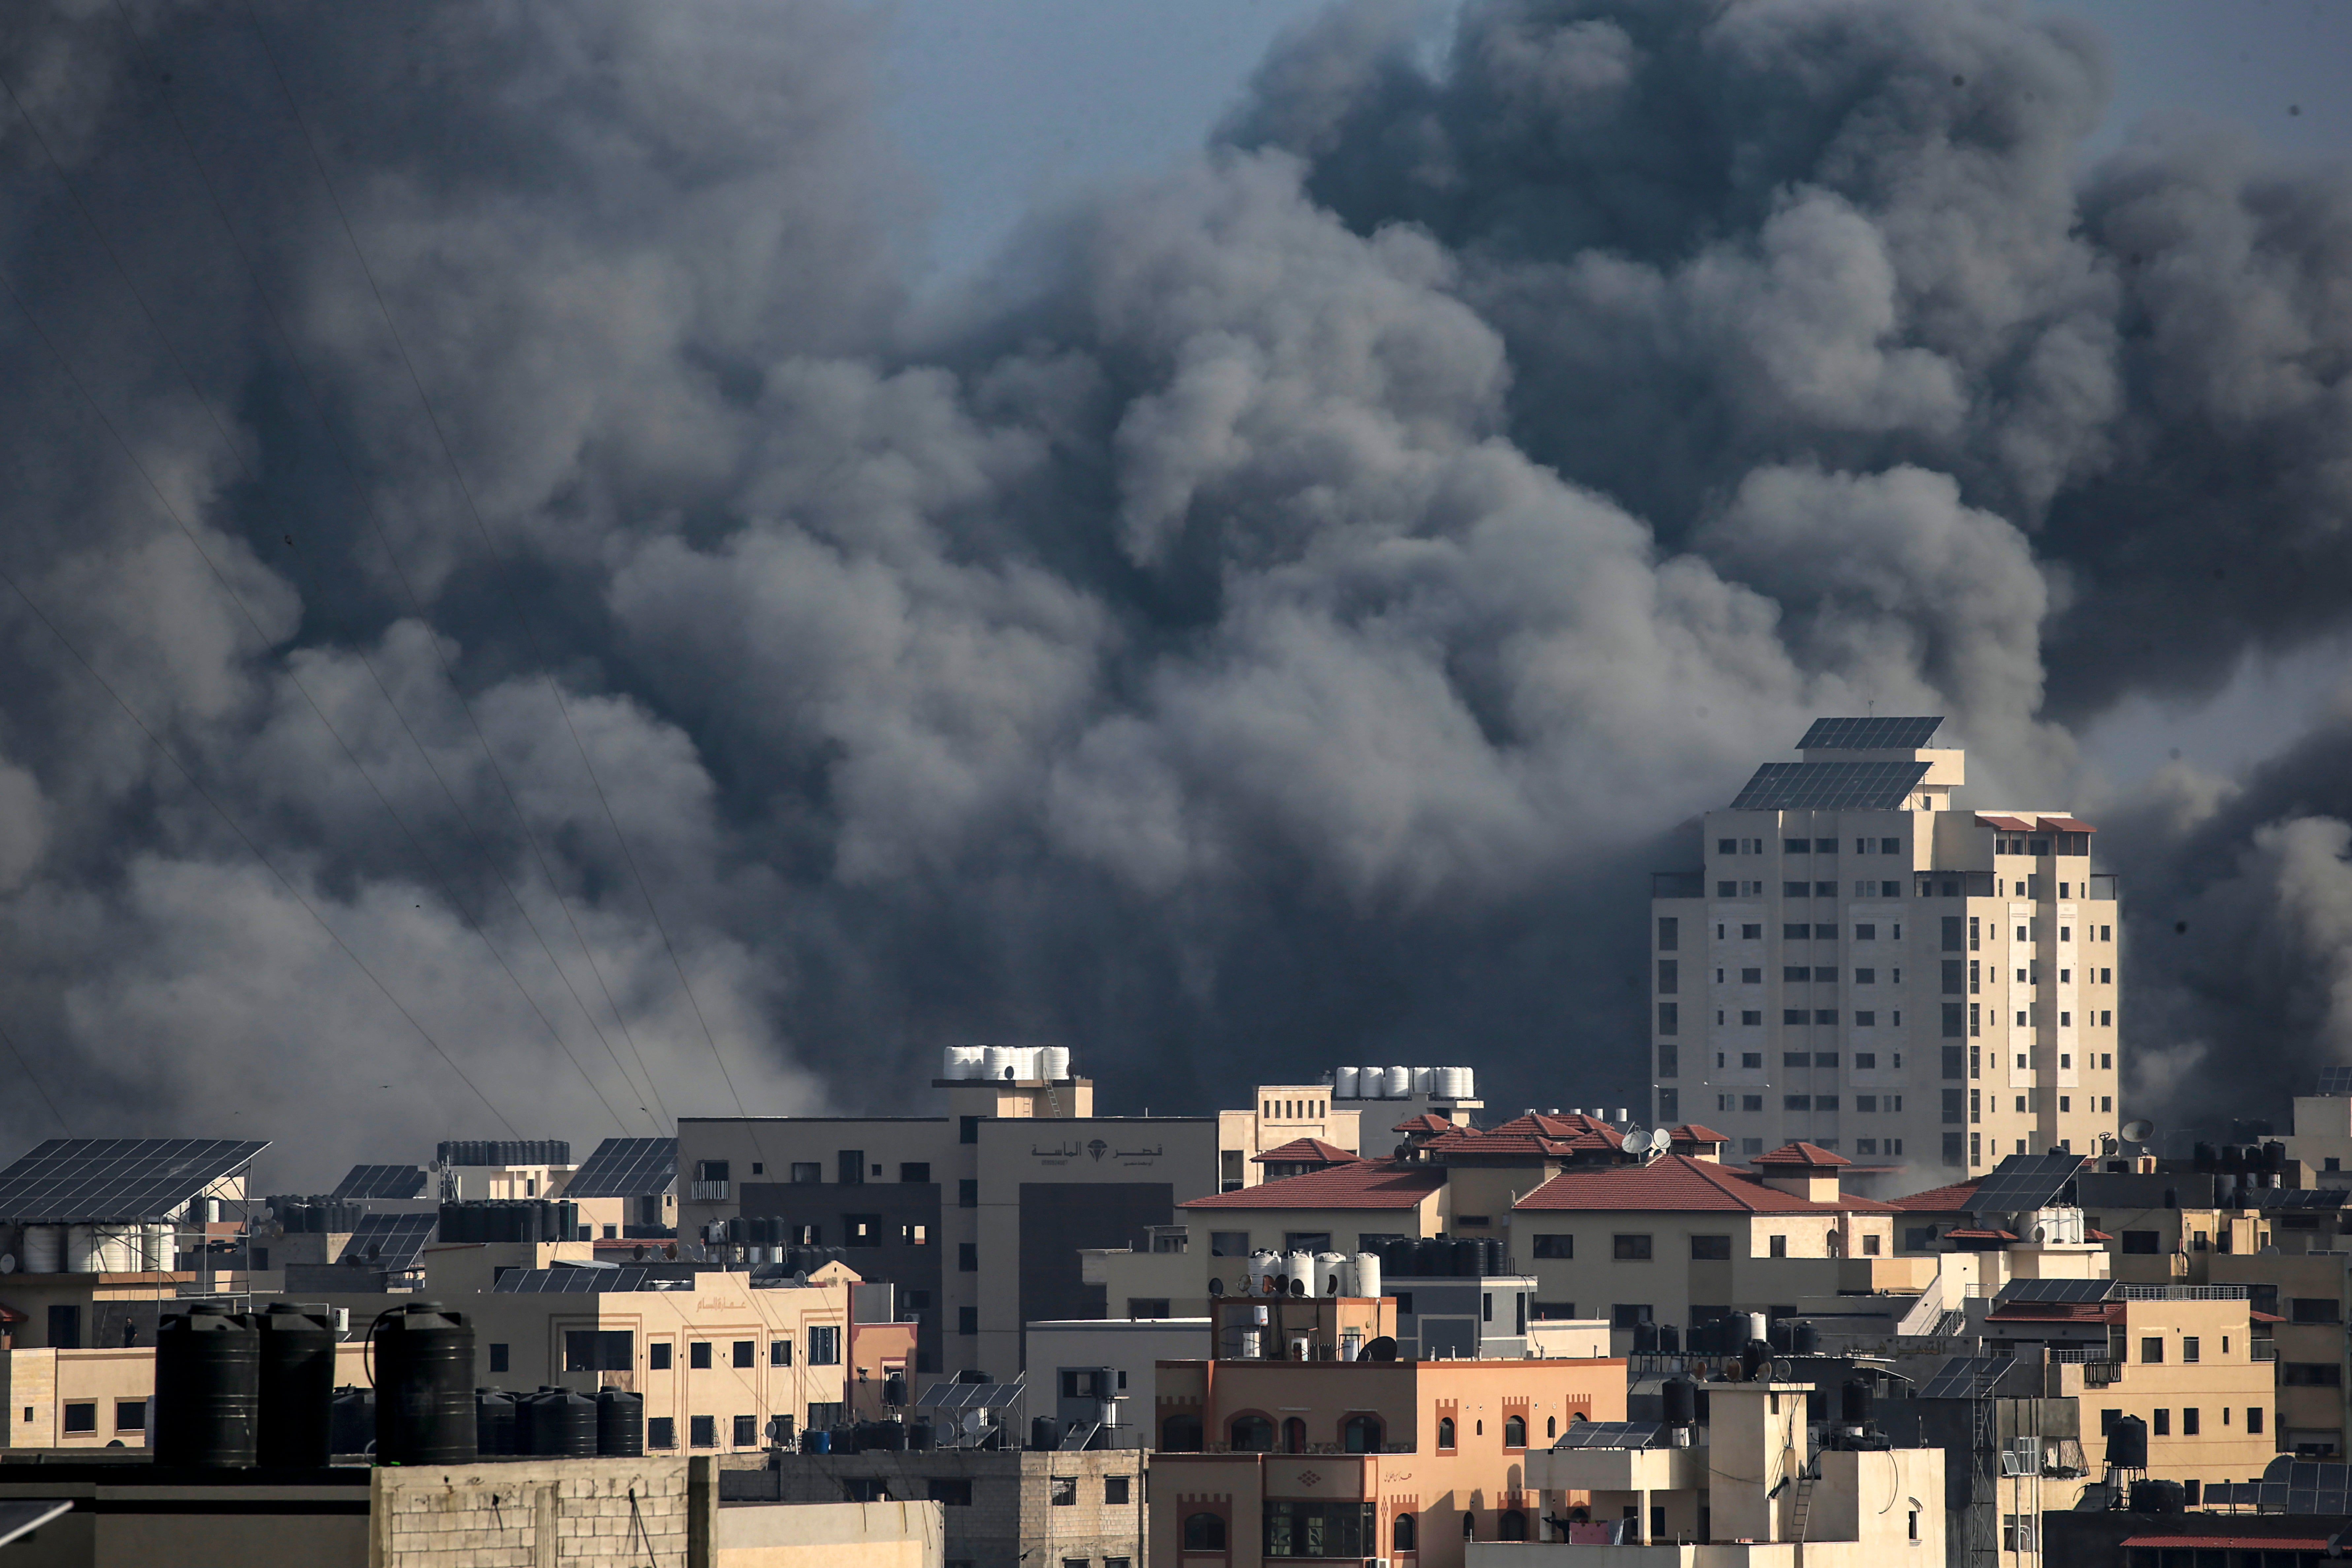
(1274,618)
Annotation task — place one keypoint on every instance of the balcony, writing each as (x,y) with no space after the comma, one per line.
(1952,884)
(2264,1350)
(710,1191)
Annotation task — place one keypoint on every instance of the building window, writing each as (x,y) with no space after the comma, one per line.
(1062,1491)
(1205,1533)
(780,1352)
(1751,1102)
(81,1417)
(953,1491)
(1777,1246)
(824,1345)
(499,1358)
(698,1356)
(1670,1018)
(1515,1432)
(1181,1433)
(2189,1421)
(917,1170)
(967,1258)
(2254,1419)
(807,1172)
(1444,1431)
(702,1431)
(1796,1102)
(1115,1492)
(861,1230)
(1400,1534)
(1362,1435)
(2161,1425)
(2188,1347)
(747,1432)
(1251,1435)
(657,1356)
(1632,1247)
(1710,1247)
(661,1432)
(2151,1350)
(130,1415)
(746,1353)
(1554,1245)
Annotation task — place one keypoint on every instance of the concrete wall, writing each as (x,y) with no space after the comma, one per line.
(822,1535)
(523,1513)
(1012,1521)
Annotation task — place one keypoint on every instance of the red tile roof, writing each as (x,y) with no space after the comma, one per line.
(1692,1132)
(1299,1150)
(1974,1233)
(1678,1182)
(1356,1184)
(1802,1155)
(2057,1312)
(1427,1121)
(1535,1134)
(2005,824)
(1954,1199)
(2223,1542)
(2066,824)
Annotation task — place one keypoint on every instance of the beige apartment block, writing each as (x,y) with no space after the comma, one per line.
(1002,1508)
(2311,1294)
(2322,1139)
(977,1216)
(1856,964)
(1280,1113)
(2186,1364)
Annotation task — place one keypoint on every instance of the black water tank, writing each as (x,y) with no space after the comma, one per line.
(561,1424)
(207,1388)
(620,1424)
(1680,1398)
(296,1386)
(1669,1340)
(494,1422)
(1045,1434)
(886,1438)
(351,1424)
(1491,1250)
(1853,1402)
(1781,1335)
(2157,1497)
(1469,1258)
(424,1385)
(2128,1444)
(921,1436)
(894,1389)
(2273,1156)
(1645,1338)
(1805,1340)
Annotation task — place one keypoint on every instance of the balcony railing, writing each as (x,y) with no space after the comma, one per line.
(710,1191)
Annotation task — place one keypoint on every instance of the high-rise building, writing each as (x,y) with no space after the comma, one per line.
(1860,966)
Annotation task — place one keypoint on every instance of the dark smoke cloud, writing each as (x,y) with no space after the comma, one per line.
(1272,619)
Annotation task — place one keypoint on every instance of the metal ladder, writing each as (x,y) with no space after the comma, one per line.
(1802,1508)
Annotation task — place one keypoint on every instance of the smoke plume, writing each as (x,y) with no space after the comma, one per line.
(518,620)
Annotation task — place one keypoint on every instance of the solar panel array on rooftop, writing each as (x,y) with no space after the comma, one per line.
(970,1396)
(2024,1182)
(1830,786)
(379,1181)
(570,1281)
(1965,1377)
(1869,734)
(2296,1197)
(625,1168)
(2290,1484)
(392,1242)
(65,1180)
(2054,1290)
(1609,1434)
(2336,1080)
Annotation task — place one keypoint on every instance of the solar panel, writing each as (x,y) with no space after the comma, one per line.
(2024,1182)
(1830,786)
(2336,1080)
(379,1181)
(2305,1486)
(570,1281)
(92,1179)
(1869,734)
(2296,1197)
(389,1241)
(625,1168)
(970,1396)
(1965,1377)
(1609,1434)
(2053,1290)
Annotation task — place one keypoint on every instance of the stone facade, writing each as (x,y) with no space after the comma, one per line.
(539,1513)
(1012,1519)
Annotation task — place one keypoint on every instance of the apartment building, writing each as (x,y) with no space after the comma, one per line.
(1683,1239)
(2309,1291)
(1315,1455)
(1857,965)
(977,1217)
(1002,1508)
(1280,1115)
(2322,1139)
(2187,1360)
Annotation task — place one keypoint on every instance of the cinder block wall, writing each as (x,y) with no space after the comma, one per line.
(1012,1516)
(539,1513)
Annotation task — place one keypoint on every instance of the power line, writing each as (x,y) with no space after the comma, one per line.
(431,865)
(472,510)
(27,1068)
(415,603)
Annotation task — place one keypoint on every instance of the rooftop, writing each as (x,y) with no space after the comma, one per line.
(1357,1184)
(85,1180)
(1679,1183)
(1871,735)
(1800,1156)
(1302,1151)
(1830,786)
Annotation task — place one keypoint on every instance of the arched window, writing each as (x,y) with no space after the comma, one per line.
(1204,1532)
(1252,1434)
(1181,1434)
(1469,1525)
(1294,1436)
(1445,1431)
(1515,1432)
(1361,1435)
(1551,1427)
(1511,1526)
(1401,1536)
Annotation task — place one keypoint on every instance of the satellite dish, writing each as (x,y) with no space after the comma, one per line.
(2138,1132)
(1380,1348)
(7,1263)
(1217,1287)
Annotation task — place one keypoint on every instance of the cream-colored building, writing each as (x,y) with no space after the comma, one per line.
(1857,965)
(1280,1113)
(2310,1292)
(2184,1359)
(2322,1139)
(1751,1488)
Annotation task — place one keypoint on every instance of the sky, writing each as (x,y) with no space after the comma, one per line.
(568,565)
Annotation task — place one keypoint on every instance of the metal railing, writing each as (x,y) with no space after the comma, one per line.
(710,1191)
(2181,1292)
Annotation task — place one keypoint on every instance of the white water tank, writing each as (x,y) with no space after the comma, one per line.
(963,1062)
(1054,1062)
(1453,1083)
(1253,1344)
(994,1061)
(118,1250)
(1300,1266)
(82,1249)
(44,1247)
(1424,1081)
(1330,1273)
(1344,1083)
(1368,1086)
(1263,1264)
(1399,1083)
(1364,1274)
(1760,1326)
